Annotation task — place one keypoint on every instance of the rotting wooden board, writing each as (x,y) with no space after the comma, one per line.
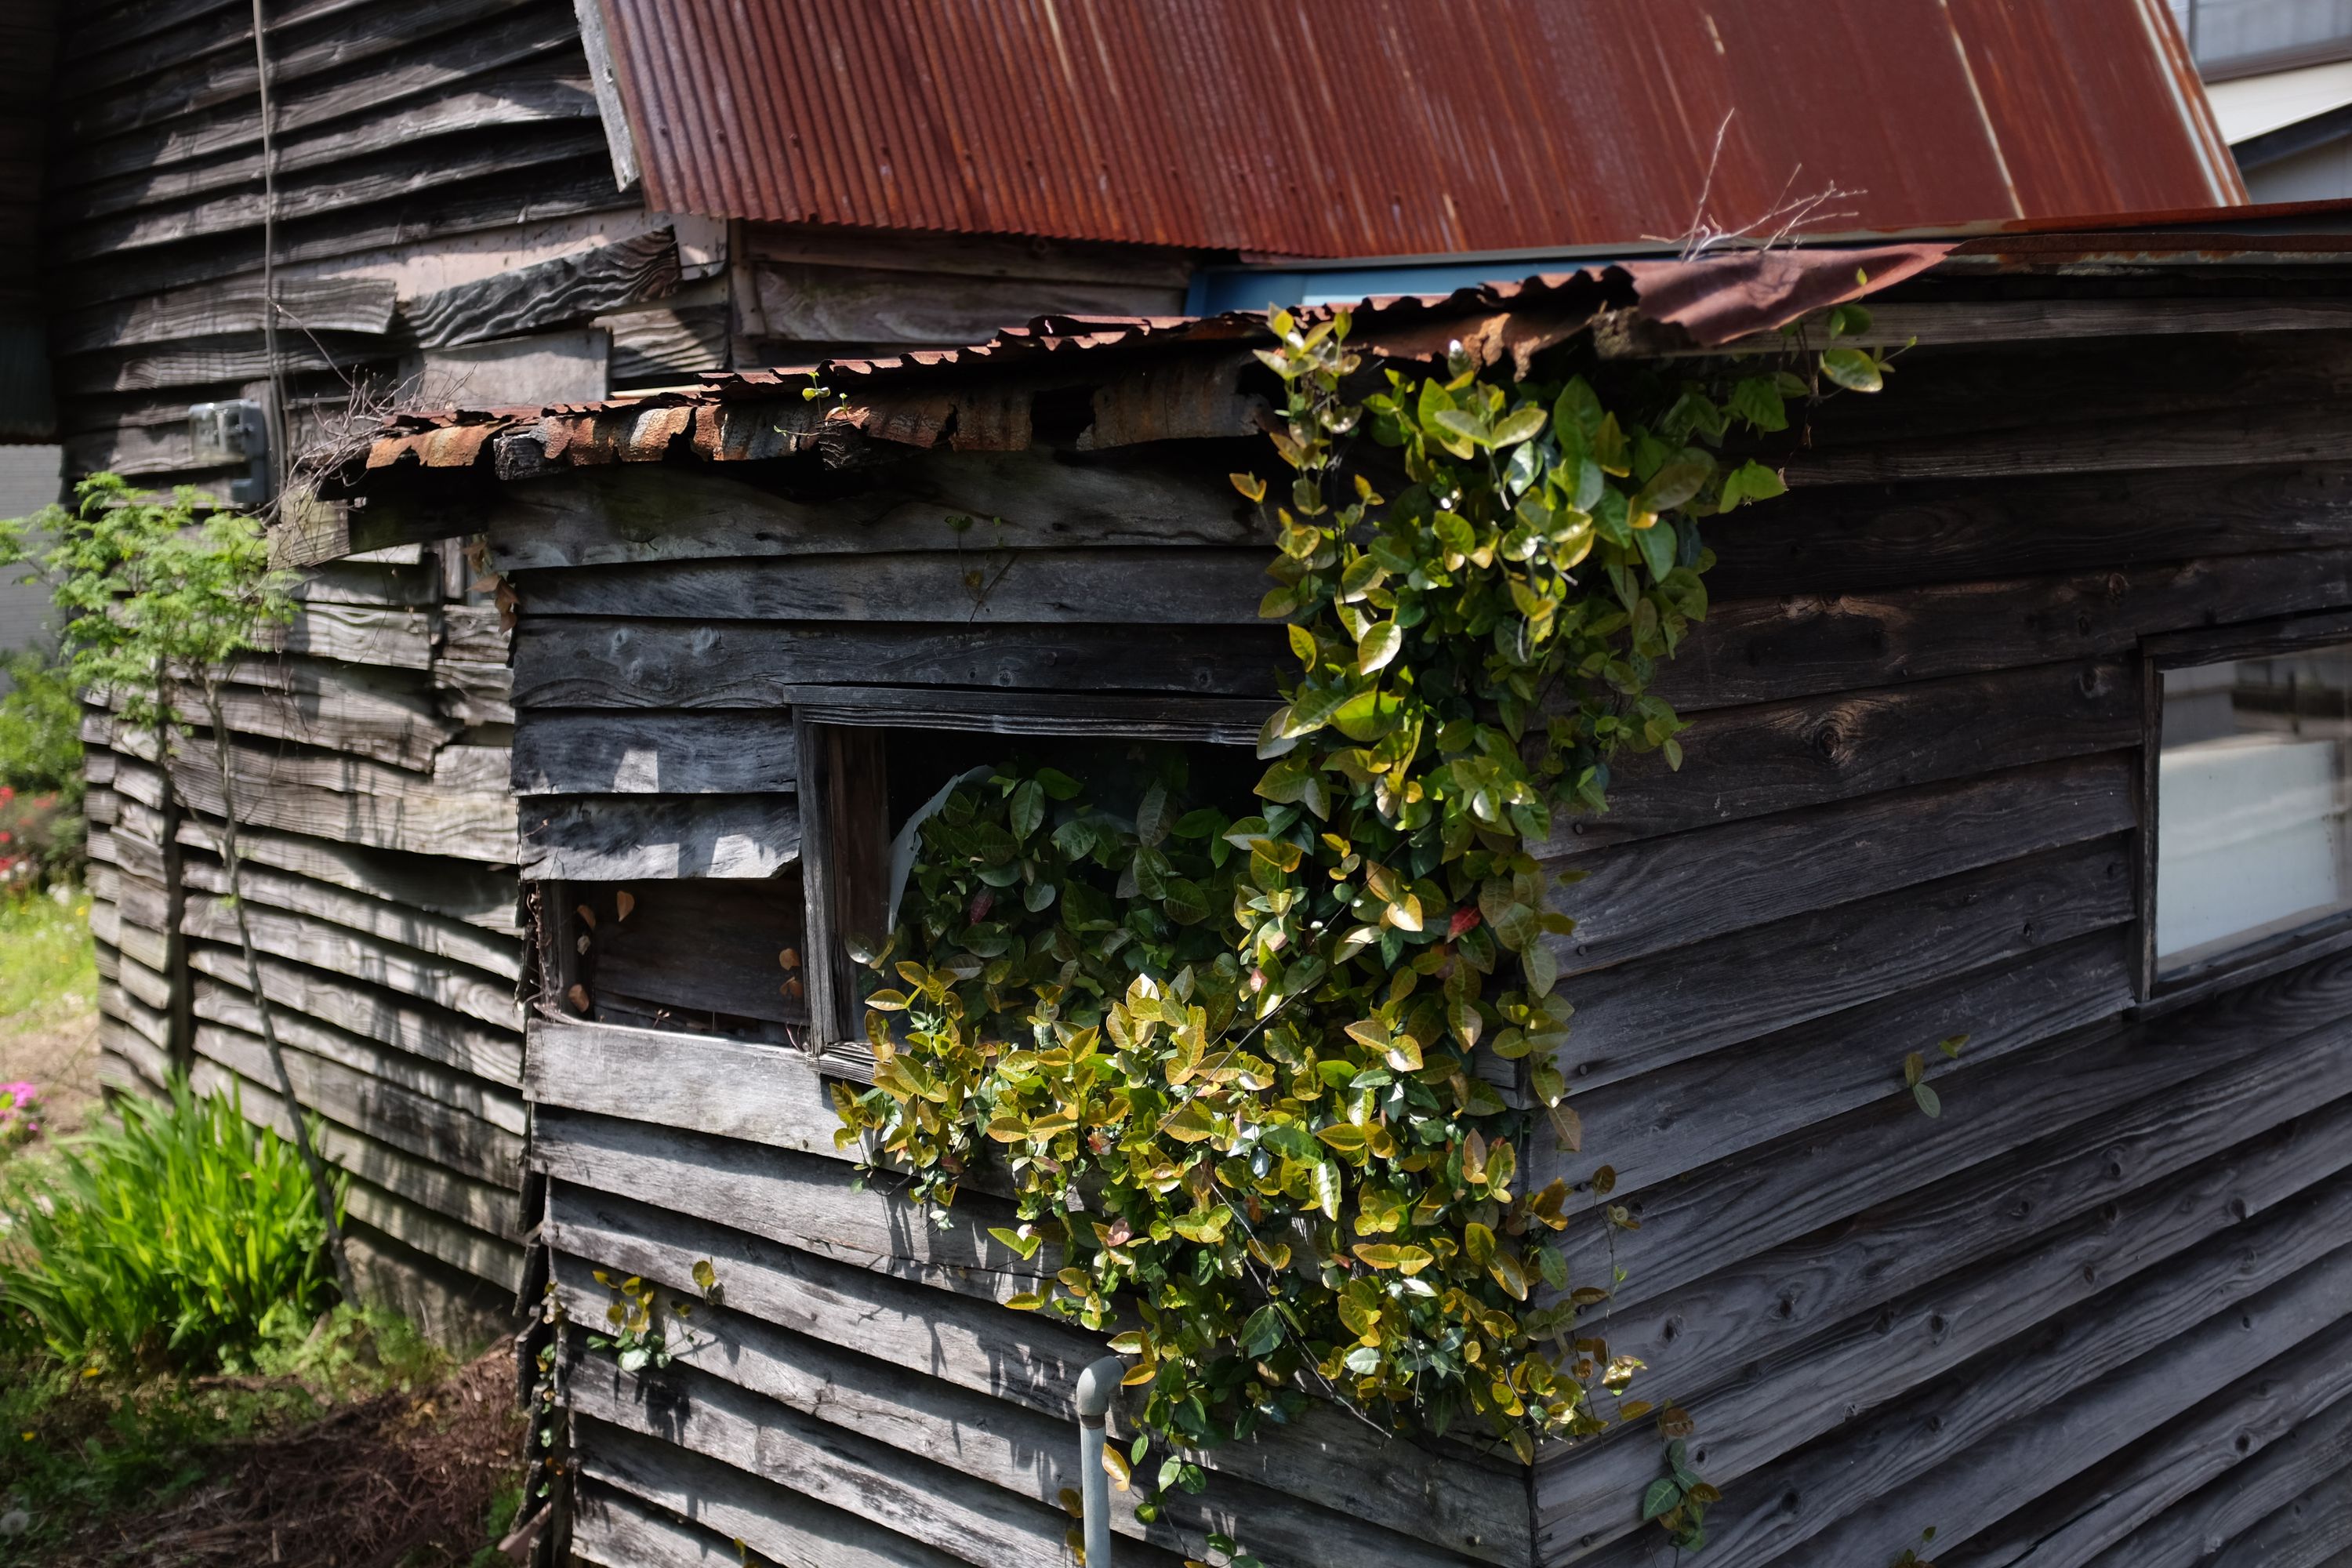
(1770,1195)
(436,934)
(397,584)
(813,303)
(624,837)
(1677,891)
(1655,1011)
(974,504)
(358,634)
(403,729)
(1143,588)
(216,1000)
(1863,1486)
(478,895)
(771,1518)
(1029,1358)
(322,304)
(970,255)
(605,663)
(716,752)
(378,1107)
(548,293)
(410,816)
(2185,1535)
(795,1198)
(474,693)
(472,634)
(1021,1452)
(1800,644)
(1750,762)
(415,1027)
(1671,1120)
(2166,1231)
(340,951)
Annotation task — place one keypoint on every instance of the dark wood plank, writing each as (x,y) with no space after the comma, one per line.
(975,503)
(608,663)
(2314,1531)
(626,838)
(1148,587)
(1747,762)
(493,955)
(1654,1011)
(700,946)
(360,305)
(414,1025)
(1801,1383)
(592,753)
(1673,1120)
(2007,1442)
(728,1088)
(1870,539)
(2284,434)
(811,303)
(221,1002)
(1760,651)
(615,1528)
(1678,890)
(479,895)
(2190,1531)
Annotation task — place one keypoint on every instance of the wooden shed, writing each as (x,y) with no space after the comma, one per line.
(2089,554)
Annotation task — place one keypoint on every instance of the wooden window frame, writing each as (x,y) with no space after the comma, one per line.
(845,818)
(2263,956)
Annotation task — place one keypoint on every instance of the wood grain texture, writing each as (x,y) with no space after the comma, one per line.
(2284,434)
(620,837)
(1749,762)
(442,937)
(341,950)
(594,753)
(2314,1531)
(1027,1359)
(813,303)
(1800,643)
(728,1088)
(2165,1231)
(971,503)
(479,896)
(771,1519)
(608,663)
(1682,890)
(2197,1527)
(416,1026)
(702,946)
(1148,587)
(1652,1012)
(547,293)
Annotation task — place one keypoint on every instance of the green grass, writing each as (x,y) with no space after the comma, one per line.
(48,966)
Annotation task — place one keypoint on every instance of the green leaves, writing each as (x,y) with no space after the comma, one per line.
(1857,370)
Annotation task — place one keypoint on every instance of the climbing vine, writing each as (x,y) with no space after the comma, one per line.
(1267,1088)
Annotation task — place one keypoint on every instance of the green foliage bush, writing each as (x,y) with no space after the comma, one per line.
(182,1236)
(40,727)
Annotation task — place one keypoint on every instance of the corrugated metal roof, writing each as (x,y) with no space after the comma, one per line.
(1372,127)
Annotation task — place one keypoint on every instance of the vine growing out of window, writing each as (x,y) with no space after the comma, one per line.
(1265,1087)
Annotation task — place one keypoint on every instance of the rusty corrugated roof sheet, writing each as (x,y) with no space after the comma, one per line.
(1151,378)
(1388,127)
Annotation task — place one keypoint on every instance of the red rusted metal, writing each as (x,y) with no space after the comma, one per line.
(1390,127)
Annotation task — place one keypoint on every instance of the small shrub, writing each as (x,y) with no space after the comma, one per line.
(181,1236)
(42,839)
(40,727)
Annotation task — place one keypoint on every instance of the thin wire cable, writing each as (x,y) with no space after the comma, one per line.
(275,411)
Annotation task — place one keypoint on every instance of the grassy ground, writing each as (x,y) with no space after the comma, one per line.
(356,1444)
(48,1003)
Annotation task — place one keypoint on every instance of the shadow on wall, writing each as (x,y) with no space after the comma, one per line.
(29,480)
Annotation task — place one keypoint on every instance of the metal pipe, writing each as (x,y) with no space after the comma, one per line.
(1098,1386)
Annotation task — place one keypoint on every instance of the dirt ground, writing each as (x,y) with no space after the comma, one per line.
(56,1048)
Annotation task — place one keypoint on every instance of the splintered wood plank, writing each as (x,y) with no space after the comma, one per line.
(1141,588)
(1030,1359)
(609,663)
(1654,1011)
(1016,1450)
(972,504)
(1778,756)
(656,754)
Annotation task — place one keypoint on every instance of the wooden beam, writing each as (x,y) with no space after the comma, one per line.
(607,838)
(656,754)
(728,1088)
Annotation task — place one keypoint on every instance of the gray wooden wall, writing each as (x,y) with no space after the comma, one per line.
(2099,1312)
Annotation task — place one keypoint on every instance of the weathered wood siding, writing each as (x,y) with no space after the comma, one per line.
(380,885)
(2099,1312)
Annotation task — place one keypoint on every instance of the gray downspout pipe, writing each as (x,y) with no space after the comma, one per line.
(1098,1386)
